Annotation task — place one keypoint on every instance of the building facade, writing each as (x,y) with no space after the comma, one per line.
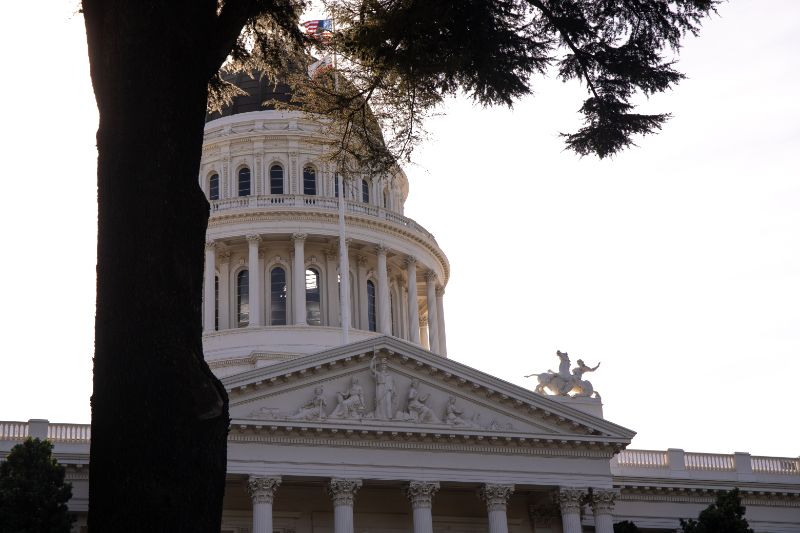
(377,430)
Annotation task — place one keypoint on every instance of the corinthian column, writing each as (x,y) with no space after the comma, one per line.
(433,314)
(413,307)
(262,491)
(384,314)
(209,299)
(570,501)
(343,493)
(299,279)
(496,499)
(254,281)
(440,316)
(603,505)
(421,496)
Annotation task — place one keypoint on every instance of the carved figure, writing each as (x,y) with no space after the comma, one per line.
(563,382)
(417,411)
(314,409)
(385,395)
(350,403)
(453,414)
(584,388)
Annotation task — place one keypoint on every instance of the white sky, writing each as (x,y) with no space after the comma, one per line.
(676,264)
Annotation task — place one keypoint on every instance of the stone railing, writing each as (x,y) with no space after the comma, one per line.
(13,430)
(72,433)
(316,202)
(676,462)
(43,429)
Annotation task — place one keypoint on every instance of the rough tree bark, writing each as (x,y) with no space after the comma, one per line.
(154,397)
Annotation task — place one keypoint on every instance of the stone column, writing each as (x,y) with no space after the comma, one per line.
(570,501)
(413,306)
(334,306)
(299,279)
(384,313)
(209,303)
(254,281)
(433,315)
(423,333)
(361,274)
(421,495)
(262,491)
(343,492)
(603,505)
(496,498)
(440,316)
(224,290)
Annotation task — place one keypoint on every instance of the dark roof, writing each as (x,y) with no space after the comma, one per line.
(261,94)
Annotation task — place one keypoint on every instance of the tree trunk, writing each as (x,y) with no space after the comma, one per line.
(159,416)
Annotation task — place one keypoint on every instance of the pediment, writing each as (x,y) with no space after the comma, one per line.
(388,385)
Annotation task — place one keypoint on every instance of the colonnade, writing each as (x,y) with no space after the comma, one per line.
(433,326)
(421,494)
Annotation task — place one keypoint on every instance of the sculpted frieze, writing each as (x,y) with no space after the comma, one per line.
(380,394)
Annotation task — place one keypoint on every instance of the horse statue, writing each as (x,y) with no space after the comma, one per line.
(563,382)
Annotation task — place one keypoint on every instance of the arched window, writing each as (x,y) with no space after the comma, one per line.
(371,322)
(244,182)
(313,307)
(243,299)
(309,181)
(277,298)
(213,187)
(276,179)
(216,303)
(364,191)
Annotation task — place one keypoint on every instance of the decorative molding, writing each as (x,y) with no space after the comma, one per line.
(343,491)
(410,261)
(570,499)
(380,249)
(262,489)
(224,257)
(430,276)
(602,500)
(210,246)
(495,496)
(421,493)
(299,237)
(253,238)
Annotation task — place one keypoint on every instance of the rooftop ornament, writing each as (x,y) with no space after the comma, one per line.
(562,383)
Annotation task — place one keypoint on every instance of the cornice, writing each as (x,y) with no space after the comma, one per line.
(703,495)
(247,215)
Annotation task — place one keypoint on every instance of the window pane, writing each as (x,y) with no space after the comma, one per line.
(309,181)
(364,191)
(371,306)
(276,179)
(313,308)
(278,297)
(243,298)
(244,182)
(213,187)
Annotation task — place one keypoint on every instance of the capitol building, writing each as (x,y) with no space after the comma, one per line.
(348,414)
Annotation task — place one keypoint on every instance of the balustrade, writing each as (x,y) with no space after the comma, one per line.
(642,459)
(13,430)
(69,433)
(714,462)
(776,465)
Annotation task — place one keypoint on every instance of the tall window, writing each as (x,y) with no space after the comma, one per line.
(313,308)
(336,185)
(213,187)
(364,191)
(216,303)
(277,297)
(309,181)
(371,306)
(392,314)
(276,179)
(243,299)
(244,182)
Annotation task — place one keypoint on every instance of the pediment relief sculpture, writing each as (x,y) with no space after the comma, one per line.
(564,382)
(423,404)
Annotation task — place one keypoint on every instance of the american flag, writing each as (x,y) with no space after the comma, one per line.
(318,28)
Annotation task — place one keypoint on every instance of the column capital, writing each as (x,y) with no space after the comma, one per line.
(495,495)
(603,500)
(210,246)
(299,237)
(439,291)
(225,257)
(253,238)
(430,276)
(262,489)
(421,493)
(570,499)
(343,491)
(410,261)
(381,249)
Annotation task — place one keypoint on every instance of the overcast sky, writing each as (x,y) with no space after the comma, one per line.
(676,264)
